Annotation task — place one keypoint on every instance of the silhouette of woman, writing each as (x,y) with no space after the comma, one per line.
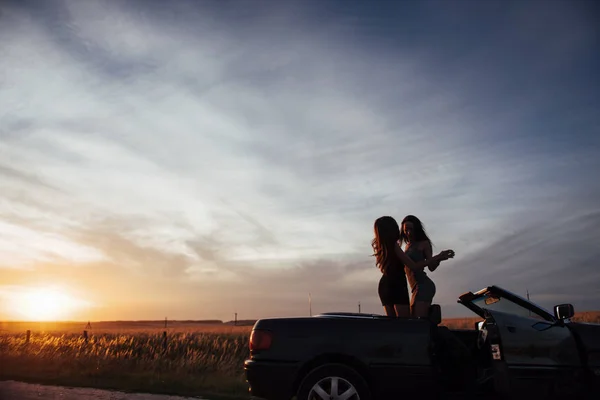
(418,248)
(390,259)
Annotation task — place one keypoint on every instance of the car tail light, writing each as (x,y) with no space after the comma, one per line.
(260,340)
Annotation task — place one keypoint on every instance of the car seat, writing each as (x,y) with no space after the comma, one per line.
(435,314)
(453,356)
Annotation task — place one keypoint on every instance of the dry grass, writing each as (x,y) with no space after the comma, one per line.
(587,316)
(460,323)
(198,359)
(195,359)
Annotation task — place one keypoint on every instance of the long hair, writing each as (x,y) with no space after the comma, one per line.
(387,234)
(419,233)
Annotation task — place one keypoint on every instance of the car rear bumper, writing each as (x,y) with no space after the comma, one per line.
(270,380)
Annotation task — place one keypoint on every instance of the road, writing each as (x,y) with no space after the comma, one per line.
(11,390)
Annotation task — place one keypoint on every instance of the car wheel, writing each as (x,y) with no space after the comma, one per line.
(333,382)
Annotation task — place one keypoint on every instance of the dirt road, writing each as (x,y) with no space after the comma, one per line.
(11,390)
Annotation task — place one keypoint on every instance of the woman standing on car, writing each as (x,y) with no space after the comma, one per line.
(418,248)
(393,290)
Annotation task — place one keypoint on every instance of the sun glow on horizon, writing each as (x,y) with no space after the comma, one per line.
(44,304)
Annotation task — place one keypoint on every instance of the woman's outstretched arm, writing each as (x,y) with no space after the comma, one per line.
(406,260)
(428,251)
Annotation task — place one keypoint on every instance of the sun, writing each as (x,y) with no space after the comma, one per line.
(44,304)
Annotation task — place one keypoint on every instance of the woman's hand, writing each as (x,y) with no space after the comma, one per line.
(446,254)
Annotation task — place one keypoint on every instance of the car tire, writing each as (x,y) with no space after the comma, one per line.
(321,382)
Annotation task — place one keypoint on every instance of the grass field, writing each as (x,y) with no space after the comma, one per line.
(196,359)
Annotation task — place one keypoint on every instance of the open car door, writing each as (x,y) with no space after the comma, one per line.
(538,352)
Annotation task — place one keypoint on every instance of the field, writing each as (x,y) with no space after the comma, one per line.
(191,359)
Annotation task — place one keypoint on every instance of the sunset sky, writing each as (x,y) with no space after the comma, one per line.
(193,159)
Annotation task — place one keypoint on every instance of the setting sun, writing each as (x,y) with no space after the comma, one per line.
(44,304)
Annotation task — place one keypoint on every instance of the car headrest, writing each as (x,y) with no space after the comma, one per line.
(435,314)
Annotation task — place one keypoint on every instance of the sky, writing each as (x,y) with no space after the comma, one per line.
(193,159)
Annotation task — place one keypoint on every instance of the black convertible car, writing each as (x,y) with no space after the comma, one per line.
(518,349)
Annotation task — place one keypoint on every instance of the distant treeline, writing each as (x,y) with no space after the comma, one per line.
(120,324)
(241,322)
(169,321)
(457,323)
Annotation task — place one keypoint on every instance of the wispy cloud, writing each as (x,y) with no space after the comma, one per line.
(243,152)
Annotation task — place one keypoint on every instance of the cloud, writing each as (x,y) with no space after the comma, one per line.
(244,152)
(15,174)
(553,258)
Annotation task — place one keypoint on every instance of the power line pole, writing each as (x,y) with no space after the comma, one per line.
(359,307)
(309,305)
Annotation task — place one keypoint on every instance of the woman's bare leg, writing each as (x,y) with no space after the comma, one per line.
(402,310)
(389,311)
(420,309)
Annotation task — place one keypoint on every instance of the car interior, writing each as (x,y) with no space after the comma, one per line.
(460,358)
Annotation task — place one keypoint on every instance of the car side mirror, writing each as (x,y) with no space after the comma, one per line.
(564,311)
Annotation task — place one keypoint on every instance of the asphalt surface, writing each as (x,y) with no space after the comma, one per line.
(11,390)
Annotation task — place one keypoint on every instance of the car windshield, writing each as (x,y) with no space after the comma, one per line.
(494,302)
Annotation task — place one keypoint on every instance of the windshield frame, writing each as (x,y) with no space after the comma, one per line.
(467,299)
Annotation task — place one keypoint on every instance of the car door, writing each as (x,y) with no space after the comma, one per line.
(399,354)
(529,342)
(538,352)
(541,357)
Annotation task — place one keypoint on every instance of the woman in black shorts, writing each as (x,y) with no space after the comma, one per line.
(390,259)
